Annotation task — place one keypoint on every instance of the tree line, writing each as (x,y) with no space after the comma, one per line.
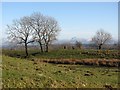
(43,30)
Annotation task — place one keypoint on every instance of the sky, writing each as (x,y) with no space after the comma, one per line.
(76,19)
(0,24)
(60,0)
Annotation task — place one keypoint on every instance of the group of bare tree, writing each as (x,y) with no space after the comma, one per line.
(100,39)
(43,30)
(35,28)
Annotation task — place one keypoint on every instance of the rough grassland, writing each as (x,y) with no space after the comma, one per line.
(64,54)
(24,73)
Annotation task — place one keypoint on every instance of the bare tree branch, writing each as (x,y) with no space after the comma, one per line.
(20,31)
(101,38)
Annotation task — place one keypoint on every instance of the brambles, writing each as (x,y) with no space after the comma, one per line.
(93,62)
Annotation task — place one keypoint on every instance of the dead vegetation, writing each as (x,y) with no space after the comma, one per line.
(96,62)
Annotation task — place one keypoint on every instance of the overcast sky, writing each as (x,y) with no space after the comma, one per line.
(80,19)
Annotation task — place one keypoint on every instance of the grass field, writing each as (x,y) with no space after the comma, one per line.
(25,73)
(65,54)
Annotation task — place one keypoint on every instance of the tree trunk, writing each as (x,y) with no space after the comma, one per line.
(46,48)
(26,50)
(41,46)
(100,46)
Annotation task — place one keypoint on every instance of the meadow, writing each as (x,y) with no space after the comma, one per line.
(23,73)
(60,69)
(64,53)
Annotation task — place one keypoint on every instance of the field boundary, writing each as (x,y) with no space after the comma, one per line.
(92,62)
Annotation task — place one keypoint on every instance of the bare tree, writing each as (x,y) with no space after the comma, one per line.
(37,23)
(20,31)
(46,29)
(101,38)
(78,44)
(51,30)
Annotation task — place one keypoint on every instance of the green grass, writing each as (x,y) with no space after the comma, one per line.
(25,73)
(64,54)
